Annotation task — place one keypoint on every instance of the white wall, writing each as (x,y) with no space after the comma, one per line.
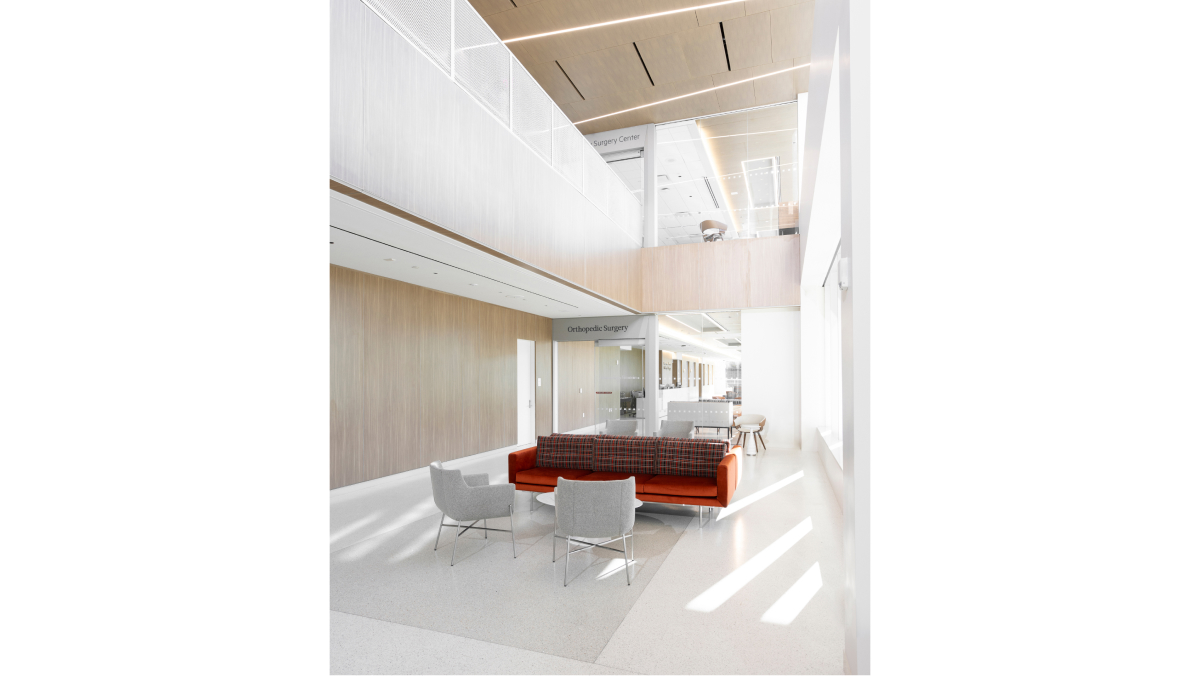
(812,364)
(771,372)
(718,385)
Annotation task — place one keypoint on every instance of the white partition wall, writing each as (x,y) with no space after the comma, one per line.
(771,372)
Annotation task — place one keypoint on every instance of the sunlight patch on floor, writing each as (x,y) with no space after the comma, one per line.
(722,591)
(758,495)
(783,611)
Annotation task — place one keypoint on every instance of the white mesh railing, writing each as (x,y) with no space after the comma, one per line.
(569,149)
(462,44)
(426,23)
(531,116)
(597,175)
(481,61)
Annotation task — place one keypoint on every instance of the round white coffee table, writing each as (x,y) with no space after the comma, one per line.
(548,499)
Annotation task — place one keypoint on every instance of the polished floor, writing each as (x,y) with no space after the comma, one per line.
(755,591)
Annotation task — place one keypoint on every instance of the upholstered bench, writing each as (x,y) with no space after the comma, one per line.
(701,472)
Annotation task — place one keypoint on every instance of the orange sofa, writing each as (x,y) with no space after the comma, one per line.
(700,472)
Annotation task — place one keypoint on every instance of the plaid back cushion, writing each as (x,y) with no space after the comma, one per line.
(565,451)
(690,457)
(625,454)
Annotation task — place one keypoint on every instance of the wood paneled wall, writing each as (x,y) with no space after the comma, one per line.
(739,273)
(403,132)
(576,385)
(417,375)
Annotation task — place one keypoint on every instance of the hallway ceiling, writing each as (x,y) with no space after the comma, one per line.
(602,70)
(710,335)
(363,238)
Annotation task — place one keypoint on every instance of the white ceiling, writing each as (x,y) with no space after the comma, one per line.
(700,334)
(684,199)
(363,237)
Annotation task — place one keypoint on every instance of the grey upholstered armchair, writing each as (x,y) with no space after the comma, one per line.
(593,509)
(470,498)
(623,428)
(677,428)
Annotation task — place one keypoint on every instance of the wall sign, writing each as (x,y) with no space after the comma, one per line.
(629,138)
(598,328)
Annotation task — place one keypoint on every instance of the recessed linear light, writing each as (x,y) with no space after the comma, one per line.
(472,284)
(611,23)
(390,259)
(702,91)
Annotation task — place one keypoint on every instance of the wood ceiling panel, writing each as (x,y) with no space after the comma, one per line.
(736,97)
(678,50)
(582,110)
(703,50)
(552,15)
(631,119)
(791,31)
(712,15)
(756,6)
(774,89)
(555,82)
(748,41)
(606,72)
(801,75)
(664,58)
(693,106)
(489,7)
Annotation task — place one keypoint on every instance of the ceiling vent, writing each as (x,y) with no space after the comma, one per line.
(622,155)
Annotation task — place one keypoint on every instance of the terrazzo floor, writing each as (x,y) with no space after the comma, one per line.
(756,591)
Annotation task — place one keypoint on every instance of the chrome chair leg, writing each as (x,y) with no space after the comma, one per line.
(568,566)
(454,551)
(512,528)
(626,548)
(439,533)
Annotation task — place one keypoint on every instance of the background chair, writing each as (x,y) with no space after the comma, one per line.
(753,424)
(470,498)
(682,429)
(621,428)
(593,509)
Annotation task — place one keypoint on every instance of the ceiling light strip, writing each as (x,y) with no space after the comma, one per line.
(617,21)
(706,138)
(702,91)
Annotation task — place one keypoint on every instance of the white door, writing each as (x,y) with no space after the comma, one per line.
(525,409)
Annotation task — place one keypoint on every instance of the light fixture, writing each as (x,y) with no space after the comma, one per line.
(617,21)
(713,320)
(390,259)
(472,284)
(684,96)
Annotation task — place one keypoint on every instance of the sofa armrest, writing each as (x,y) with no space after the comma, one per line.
(519,461)
(727,478)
